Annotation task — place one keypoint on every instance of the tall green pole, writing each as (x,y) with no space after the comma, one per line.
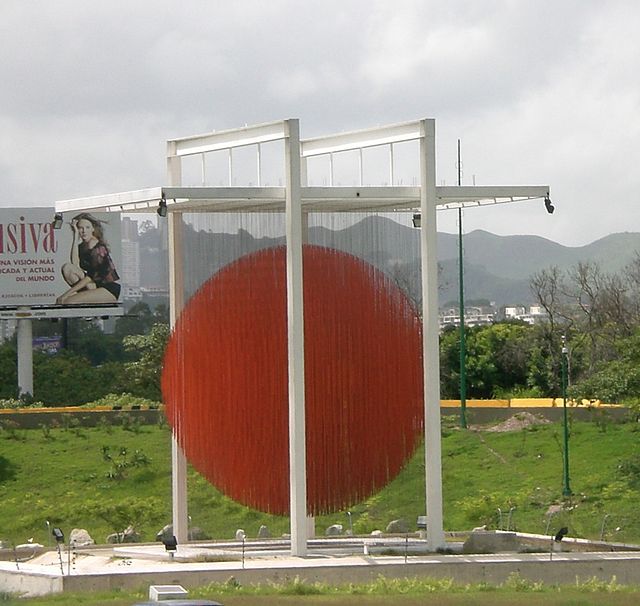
(566,490)
(463,344)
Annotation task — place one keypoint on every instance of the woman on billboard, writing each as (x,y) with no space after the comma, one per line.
(91,274)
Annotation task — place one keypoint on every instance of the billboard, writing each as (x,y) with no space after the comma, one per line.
(71,267)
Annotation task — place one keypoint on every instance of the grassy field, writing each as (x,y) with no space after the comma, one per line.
(403,592)
(102,478)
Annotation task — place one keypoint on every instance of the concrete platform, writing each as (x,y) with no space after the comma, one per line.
(334,561)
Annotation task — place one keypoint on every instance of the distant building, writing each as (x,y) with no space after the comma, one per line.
(473,316)
(155,291)
(130,270)
(7,329)
(531,314)
(131,293)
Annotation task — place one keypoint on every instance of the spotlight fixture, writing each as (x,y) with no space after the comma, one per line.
(58,535)
(162,207)
(547,204)
(417,220)
(57,221)
(561,534)
(170,543)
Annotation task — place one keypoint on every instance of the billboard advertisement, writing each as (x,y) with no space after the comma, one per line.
(73,266)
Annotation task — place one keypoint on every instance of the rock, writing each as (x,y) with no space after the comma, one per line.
(334,530)
(195,534)
(376,533)
(165,533)
(128,535)
(263,532)
(240,534)
(34,547)
(398,527)
(553,510)
(79,537)
(489,541)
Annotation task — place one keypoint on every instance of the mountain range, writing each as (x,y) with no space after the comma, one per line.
(496,268)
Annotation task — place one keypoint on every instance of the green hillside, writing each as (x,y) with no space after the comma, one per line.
(497,268)
(79,477)
(518,257)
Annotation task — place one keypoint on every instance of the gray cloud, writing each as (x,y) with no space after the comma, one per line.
(539,91)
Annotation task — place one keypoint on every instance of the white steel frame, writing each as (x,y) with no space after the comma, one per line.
(297,199)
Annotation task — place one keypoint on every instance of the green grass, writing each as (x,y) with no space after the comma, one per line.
(405,592)
(60,474)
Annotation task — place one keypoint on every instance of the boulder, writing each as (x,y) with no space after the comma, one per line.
(263,532)
(490,541)
(128,535)
(30,547)
(333,530)
(195,533)
(397,527)
(376,533)
(165,533)
(240,534)
(79,537)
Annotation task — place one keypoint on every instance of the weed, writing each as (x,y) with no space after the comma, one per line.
(104,424)
(130,423)
(6,596)
(518,583)
(629,469)
(594,585)
(298,587)
(118,464)
(46,431)
(10,430)
(521,451)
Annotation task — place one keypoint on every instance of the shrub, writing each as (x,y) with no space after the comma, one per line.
(125,400)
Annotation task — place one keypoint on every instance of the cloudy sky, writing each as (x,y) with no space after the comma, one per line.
(538,91)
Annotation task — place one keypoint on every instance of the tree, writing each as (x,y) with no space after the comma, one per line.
(88,340)
(8,370)
(68,379)
(498,359)
(408,279)
(138,321)
(594,309)
(144,373)
(132,511)
(616,380)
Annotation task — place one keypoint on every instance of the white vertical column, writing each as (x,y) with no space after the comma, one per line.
(295,340)
(25,357)
(430,344)
(176,303)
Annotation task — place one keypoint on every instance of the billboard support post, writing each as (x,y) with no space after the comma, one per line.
(25,357)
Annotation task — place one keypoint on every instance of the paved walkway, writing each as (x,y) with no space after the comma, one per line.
(130,567)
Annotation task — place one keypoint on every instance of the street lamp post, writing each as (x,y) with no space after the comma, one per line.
(463,344)
(566,490)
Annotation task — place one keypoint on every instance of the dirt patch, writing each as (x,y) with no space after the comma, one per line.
(517,422)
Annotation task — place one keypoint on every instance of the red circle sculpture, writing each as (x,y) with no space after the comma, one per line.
(225,380)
